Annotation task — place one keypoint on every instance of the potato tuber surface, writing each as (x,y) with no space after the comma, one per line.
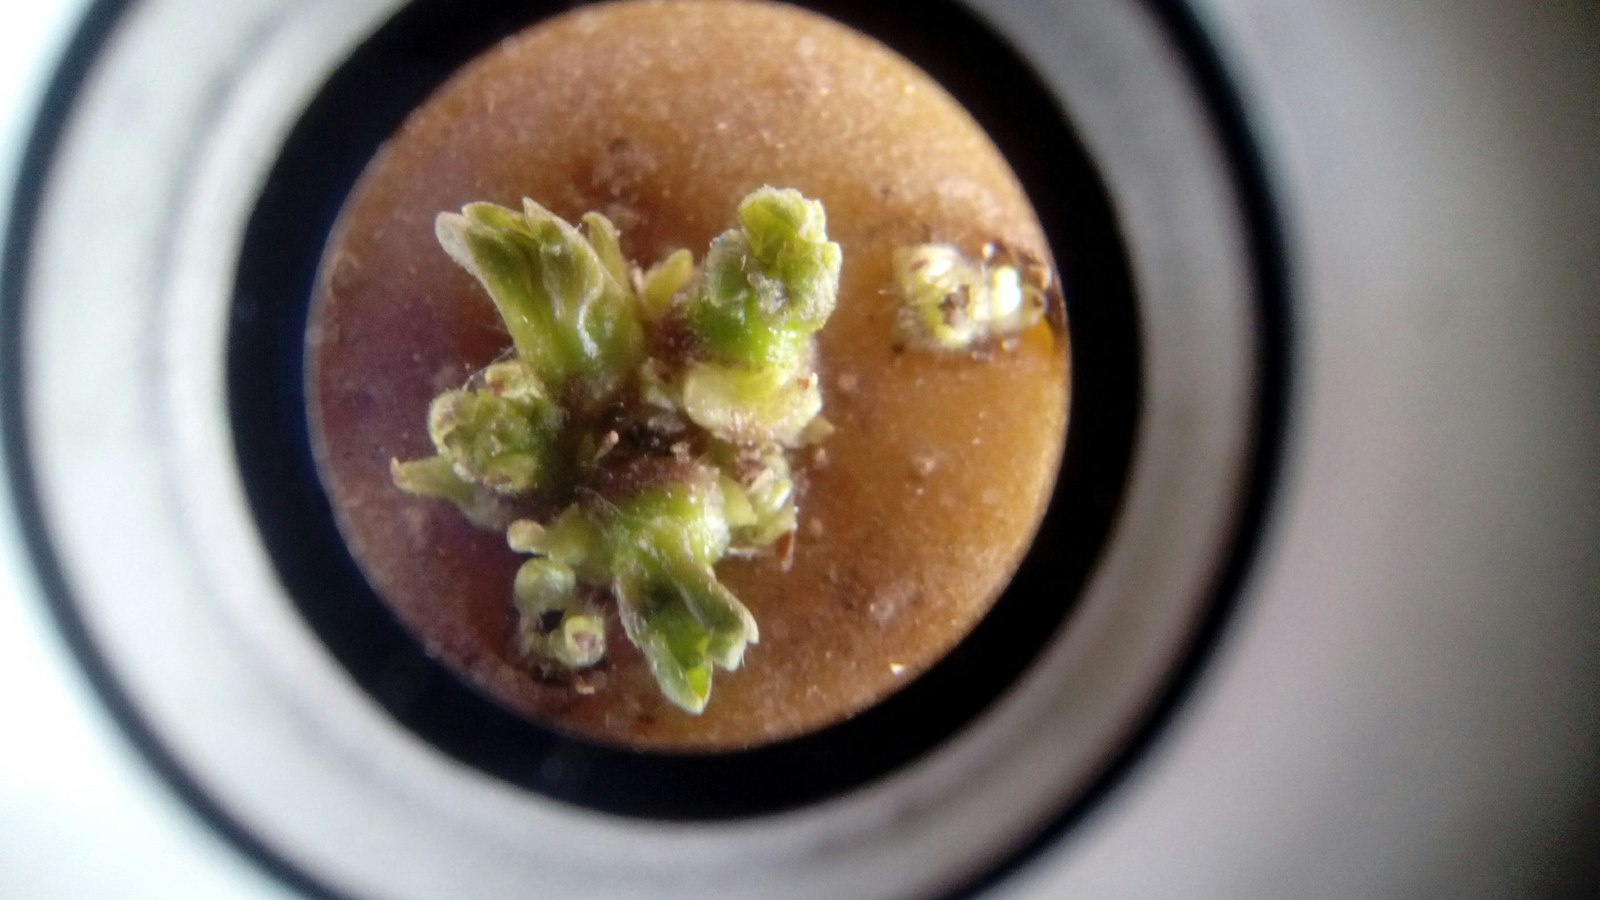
(913,513)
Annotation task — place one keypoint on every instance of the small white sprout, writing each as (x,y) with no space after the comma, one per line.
(950,301)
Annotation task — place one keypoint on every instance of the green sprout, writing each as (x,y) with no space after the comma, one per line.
(654,550)
(766,288)
(564,295)
(656,465)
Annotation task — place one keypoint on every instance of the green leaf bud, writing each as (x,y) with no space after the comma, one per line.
(768,285)
(554,625)
(571,315)
(503,435)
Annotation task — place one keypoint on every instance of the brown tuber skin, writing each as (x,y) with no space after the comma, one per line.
(914,513)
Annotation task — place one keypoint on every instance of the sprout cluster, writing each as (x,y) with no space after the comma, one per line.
(653,409)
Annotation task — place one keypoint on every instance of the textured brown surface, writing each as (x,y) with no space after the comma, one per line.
(663,116)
